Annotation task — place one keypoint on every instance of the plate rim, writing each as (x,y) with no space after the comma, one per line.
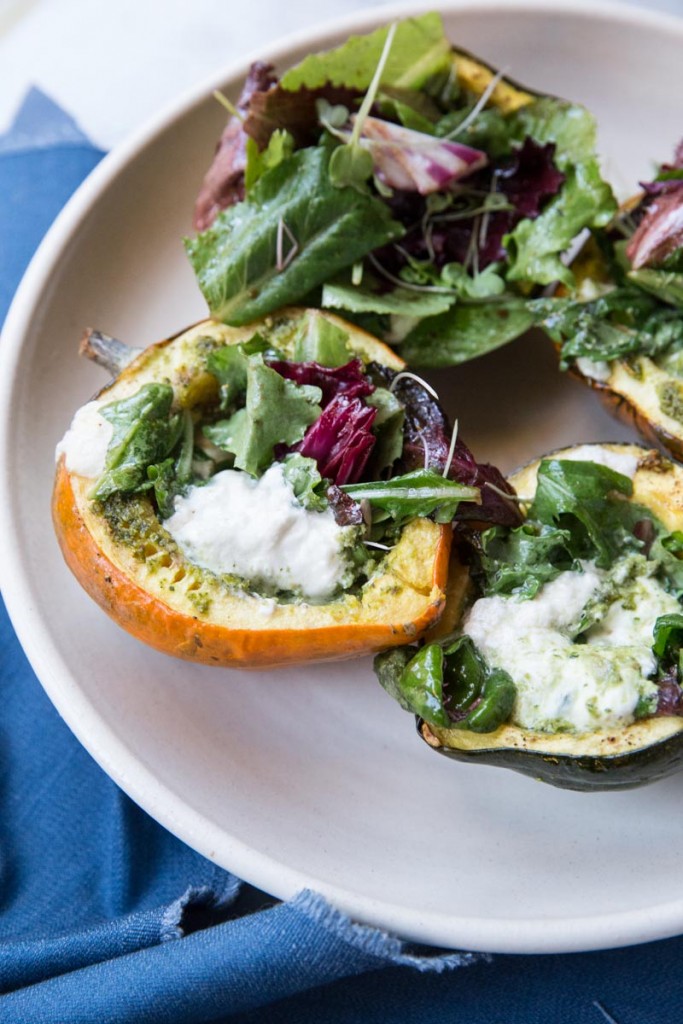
(109,750)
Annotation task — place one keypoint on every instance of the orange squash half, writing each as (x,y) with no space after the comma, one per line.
(131,566)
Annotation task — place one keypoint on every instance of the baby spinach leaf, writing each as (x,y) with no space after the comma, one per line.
(668,636)
(294,231)
(144,433)
(277,411)
(172,476)
(450,688)
(520,561)
(583,498)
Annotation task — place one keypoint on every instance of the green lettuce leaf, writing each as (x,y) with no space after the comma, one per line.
(295,211)
(321,341)
(277,411)
(302,475)
(145,433)
(466,331)
(419,52)
(585,200)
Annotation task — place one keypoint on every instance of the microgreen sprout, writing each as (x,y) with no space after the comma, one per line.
(480,104)
(408,285)
(451,451)
(376,544)
(352,164)
(413,376)
(230,107)
(281,260)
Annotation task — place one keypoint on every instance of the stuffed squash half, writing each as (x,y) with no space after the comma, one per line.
(565,660)
(266,495)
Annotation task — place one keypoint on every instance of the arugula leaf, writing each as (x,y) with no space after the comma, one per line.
(277,411)
(420,493)
(582,497)
(420,52)
(295,213)
(144,433)
(466,331)
(520,561)
(303,477)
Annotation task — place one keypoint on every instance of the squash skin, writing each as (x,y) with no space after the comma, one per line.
(292,634)
(641,753)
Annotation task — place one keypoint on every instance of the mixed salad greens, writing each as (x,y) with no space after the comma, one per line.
(401,182)
(364,441)
(578,522)
(631,286)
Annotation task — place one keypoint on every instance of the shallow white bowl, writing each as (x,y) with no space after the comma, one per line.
(313,777)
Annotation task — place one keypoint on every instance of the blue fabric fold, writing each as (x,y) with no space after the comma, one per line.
(105,916)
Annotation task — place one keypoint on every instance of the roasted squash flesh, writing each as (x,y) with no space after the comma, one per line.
(132,567)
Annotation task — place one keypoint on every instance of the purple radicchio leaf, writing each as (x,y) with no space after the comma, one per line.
(349,380)
(341,439)
(223,183)
(414,161)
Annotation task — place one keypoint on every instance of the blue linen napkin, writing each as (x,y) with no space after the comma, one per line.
(105,916)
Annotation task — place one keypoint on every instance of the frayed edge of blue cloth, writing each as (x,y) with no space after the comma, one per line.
(40,123)
(378,943)
(196,897)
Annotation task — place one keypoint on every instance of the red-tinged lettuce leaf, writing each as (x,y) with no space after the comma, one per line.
(295,112)
(427,439)
(349,380)
(223,184)
(341,440)
(293,232)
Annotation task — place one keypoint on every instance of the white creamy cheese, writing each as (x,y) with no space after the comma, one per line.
(620,461)
(560,684)
(594,369)
(255,529)
(85,443)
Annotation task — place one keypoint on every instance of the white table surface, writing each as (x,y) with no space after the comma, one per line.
(113,63)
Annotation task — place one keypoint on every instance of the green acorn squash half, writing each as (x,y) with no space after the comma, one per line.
(605,759)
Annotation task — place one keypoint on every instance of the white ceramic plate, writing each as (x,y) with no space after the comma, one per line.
(313,777)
